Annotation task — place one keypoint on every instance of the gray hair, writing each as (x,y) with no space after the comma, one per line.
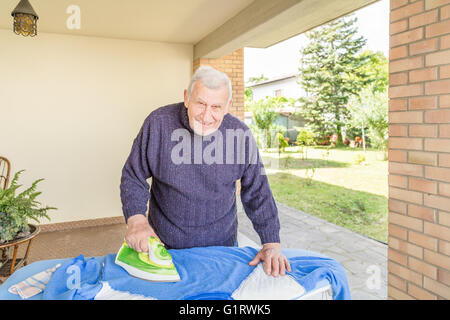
(212,79)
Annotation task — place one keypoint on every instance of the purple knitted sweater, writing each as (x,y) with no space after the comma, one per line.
(192,200)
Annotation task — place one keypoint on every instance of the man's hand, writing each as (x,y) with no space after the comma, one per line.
(138,232)
(275,262)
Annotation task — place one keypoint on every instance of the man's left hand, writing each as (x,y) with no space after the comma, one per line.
(275,262)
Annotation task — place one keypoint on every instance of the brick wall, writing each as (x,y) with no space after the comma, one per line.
(419,150)
(233,66)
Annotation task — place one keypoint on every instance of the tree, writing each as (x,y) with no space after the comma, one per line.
(369,108)
(331,72)
(248,94)
(265,114)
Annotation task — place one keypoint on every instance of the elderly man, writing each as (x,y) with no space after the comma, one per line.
(188,149)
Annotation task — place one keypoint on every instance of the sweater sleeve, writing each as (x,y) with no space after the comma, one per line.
(257,198)
(134,189)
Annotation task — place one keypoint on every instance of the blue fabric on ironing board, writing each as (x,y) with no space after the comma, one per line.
(29,270)
(215,274)
(205,272)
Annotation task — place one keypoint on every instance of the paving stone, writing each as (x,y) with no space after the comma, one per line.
(328,229)
(364,295)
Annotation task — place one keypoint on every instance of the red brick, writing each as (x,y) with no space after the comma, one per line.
(423,47)
(422,103)
(398,257)
(422,267)
(419,293)
(397,282)
(444,130)
(444,247)
(437,116)
(406,195)
(417,130)
(397,130)
(405,169)
(443,276)
(425,158)
(436,258)
(444,72)
(437,29)
(397,232)
(423,75)
(397,53)
(445,12)
(406,117)
(422,240)
(445,42)
(404,273)
(410,90)
(444,189)
(398,79)
(405,143)
(406,37)
(397,155)
(397,181)
(444,219)
(436,173)
(395,294)
(397,206)
(444,160)
(405,64)
(444,101)
(422,185)
(437,87)
(406,11)
(436,287)
(399,26)
(421,212)
(439,145)
(423,19)
(431,4)
(398,3)
(441,57)
(397,104)
(437,202)
(405,247)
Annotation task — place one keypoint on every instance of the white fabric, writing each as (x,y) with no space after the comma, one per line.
(260,286)
(108,293)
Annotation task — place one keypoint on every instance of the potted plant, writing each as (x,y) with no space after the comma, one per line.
(16,210)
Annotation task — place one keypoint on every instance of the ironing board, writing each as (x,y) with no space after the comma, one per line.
(322,290)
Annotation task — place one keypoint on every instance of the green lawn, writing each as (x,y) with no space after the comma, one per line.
(335,186)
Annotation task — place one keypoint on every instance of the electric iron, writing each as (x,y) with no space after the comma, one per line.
(156,265)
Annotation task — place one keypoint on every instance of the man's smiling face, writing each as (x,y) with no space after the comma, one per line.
(206,107)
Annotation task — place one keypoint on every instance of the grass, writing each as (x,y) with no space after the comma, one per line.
(337,186)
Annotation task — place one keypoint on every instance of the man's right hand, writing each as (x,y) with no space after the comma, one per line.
(138,232)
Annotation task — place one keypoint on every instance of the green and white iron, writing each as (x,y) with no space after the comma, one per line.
(156,265)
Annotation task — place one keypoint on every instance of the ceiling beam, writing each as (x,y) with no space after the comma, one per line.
(266,22)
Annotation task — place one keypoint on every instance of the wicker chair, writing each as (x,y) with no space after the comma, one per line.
(5,168)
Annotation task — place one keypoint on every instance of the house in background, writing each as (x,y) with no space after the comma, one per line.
(280,86)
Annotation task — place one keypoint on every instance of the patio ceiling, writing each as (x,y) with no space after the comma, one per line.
(214,27)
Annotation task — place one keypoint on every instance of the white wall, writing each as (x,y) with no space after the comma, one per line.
(70,107)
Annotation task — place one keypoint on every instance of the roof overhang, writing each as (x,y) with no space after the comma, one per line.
(214,27)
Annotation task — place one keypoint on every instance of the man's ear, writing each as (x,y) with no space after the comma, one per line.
(186,99)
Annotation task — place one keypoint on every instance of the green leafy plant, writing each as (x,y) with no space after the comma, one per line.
(16,210)
(305,137)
